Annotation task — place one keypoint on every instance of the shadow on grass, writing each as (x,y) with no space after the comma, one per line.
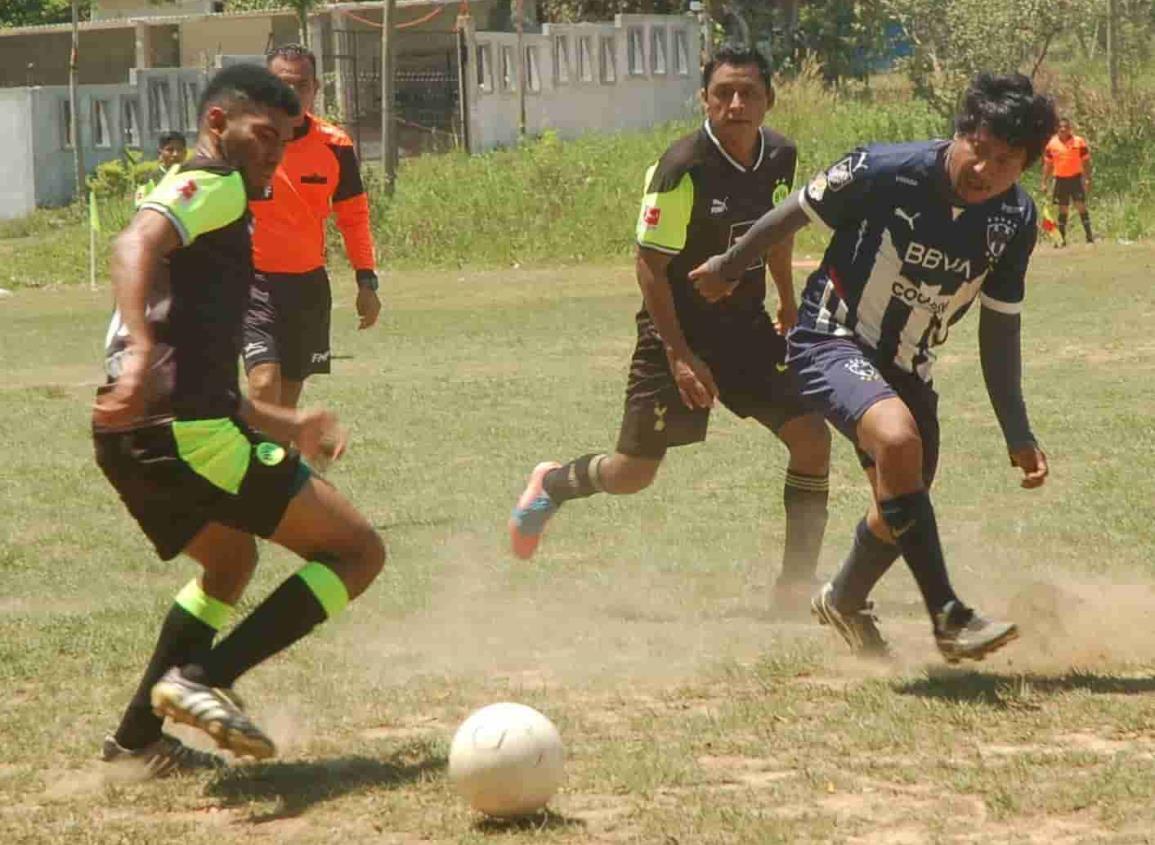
(1005,691)
(297,786)
(544,820)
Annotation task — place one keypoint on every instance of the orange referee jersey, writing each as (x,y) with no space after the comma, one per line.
(318,175)
(1067,158)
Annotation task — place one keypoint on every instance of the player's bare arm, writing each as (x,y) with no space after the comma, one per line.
(1048,169)
(774,227)
(780,262)
(137,268)
(695,381)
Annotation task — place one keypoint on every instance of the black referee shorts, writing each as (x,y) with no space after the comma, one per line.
(288,323)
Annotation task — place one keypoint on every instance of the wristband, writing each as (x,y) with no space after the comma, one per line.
(367,280)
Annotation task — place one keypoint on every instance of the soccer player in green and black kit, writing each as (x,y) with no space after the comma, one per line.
(182,448)
(171,150)
(703,193)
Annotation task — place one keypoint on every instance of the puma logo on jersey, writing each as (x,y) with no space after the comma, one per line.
(907,218)
(934,259)
(660,414)
(719,206)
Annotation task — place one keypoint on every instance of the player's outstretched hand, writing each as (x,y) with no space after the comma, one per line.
(695,381)
(1033,463)
(368,307)
(124,404)
(319,437)
(710,284)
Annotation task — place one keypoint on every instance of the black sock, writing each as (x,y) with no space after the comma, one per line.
(186,636)
(1063,226)
(301,603)
(868,561)
(805,497)
(1085,216)
(575,480)
(911,520)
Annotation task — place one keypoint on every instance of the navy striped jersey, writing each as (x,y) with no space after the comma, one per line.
(906,260)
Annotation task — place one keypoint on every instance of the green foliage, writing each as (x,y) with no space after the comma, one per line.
(849,38)
(36,12)
(602,10)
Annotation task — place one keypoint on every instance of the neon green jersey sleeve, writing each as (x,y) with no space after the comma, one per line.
(665,215)
(198,201)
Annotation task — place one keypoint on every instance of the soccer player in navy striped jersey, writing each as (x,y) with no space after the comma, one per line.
(919,232)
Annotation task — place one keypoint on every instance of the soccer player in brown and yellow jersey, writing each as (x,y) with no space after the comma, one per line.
(287,327)
(1068,159)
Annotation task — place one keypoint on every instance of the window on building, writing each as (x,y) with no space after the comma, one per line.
(484,67)
(561,60)
(130,122)
(159,106)
(65,125)
(585,60)
(635,51)
(681,53)
(191,96)
(658,50)
(508,70)
(532,70)
(101,136)
(609,63)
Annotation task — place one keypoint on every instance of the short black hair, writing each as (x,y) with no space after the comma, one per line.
(1010,110)
(248,83)
(736,55)
(292,52)
(166,138)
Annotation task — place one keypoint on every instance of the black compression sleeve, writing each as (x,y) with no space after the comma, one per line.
(776,224)
(1002,362)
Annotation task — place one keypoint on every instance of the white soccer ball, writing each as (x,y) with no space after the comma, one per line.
(506,760)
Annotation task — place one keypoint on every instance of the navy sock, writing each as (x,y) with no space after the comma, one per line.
(868,561)
(805,498)
(576,480)
(911,520)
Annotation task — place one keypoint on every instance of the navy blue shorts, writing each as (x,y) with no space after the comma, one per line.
(841,380)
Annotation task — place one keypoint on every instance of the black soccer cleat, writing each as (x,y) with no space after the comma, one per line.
(964,634)
(164,757)
(858,628)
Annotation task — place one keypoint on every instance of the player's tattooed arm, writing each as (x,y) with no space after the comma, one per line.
(775,226)
(138,270)
(692,375)
(1000,350)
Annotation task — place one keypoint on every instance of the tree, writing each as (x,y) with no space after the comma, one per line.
(601,10)
(37,12)
(301,8)
(952,40)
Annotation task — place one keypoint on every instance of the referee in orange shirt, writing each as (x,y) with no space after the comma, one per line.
(286,332)
(1068,159)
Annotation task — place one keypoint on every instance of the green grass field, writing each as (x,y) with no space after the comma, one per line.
(690,714)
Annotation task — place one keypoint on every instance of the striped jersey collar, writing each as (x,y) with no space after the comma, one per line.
(729,158)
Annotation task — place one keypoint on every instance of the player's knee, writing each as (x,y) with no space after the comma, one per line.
(898,448)
(808,440)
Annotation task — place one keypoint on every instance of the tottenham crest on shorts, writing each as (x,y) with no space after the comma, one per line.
(1000,230)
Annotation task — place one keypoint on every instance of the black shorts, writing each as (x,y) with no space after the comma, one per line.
(748,362)
(842,380)
(1069,188)
(174,482)
(288,323)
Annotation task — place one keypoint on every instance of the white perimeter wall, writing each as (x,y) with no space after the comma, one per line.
(641,93)
(17,176)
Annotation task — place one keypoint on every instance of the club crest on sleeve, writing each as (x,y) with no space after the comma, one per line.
(651,216)
(842,173)
(187,190)
(1000,230)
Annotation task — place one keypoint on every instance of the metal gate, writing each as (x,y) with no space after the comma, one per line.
(426,96)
